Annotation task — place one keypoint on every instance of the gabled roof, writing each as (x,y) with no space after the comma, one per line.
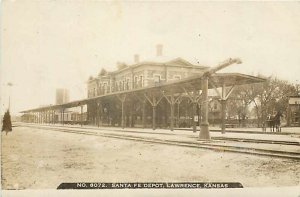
(160,61)
(182,62)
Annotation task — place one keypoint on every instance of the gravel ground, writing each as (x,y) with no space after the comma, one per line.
(41,159)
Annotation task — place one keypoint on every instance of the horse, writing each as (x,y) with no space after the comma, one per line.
(271,122)
(277,121)
(274,122)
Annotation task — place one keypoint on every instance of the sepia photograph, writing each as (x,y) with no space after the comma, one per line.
(150,98)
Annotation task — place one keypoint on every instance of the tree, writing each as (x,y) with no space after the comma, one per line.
(267,97)
(102,72)
(6,126)
(239,102)
(121,65)
(286,90)
(274,97)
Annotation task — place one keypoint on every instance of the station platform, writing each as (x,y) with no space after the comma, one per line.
(288,143)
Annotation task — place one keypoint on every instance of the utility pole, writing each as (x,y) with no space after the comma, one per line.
(9,84)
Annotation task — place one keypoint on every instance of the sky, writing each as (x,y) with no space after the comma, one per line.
(58,44)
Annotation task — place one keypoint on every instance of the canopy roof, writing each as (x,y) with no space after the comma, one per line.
(192,83)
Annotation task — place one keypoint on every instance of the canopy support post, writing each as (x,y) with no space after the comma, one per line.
(204,131)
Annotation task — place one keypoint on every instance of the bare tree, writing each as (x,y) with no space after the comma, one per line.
(102,72)
(240,100)
(121,65)
(267,97)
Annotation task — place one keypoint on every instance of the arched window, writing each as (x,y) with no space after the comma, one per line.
(135,81)
(127,84)
(141,81)
(215,105)
(116,85)
(104,88)
(120,86)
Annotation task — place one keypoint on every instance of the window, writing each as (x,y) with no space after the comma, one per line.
(117,88)
(177,77)
(141,82)
(99,90)
(215,105)
(120,86)
(135,81)
(157,78)
(105,88)
(127,84)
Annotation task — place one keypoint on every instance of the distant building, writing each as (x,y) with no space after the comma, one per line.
(214,110)
(62,96)
(28,118)
(293,116)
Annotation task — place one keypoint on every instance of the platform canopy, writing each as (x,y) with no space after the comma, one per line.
(189,84)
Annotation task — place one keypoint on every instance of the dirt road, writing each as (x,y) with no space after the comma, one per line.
(40,159)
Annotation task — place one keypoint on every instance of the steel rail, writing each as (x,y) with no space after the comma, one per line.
(198,144)
(237,139)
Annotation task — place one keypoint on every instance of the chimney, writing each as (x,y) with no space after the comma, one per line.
(136,58)
(159,50)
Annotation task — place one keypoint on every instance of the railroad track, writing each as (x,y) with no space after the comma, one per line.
(248,132)
(293,143)
(258,141)
(193,144)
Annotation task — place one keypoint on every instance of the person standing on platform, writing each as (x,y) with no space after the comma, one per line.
(6,126)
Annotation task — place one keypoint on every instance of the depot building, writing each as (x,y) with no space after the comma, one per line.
(158,93)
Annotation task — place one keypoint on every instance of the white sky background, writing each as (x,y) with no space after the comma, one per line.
(58,44)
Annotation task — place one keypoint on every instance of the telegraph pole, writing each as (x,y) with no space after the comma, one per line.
(9,84)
